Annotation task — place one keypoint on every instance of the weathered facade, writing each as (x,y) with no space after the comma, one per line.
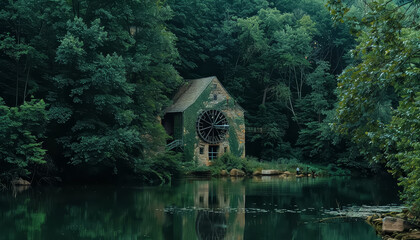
(205,121)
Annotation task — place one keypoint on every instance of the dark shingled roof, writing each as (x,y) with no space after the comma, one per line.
(188,94)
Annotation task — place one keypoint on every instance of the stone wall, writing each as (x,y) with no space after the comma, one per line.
(214,97)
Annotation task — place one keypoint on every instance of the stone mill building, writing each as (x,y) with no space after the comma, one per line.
(205,122)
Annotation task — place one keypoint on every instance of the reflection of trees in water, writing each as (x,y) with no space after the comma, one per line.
(210,225)
(85,213)
(19,217)
(321,192)
(308,197)
(335,230)
(81,212)
(200,210)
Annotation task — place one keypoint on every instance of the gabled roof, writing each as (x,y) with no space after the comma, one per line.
(188,94)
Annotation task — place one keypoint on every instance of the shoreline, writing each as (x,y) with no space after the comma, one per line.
(391,222)
(395,225)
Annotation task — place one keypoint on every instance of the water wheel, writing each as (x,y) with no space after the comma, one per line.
(212,126)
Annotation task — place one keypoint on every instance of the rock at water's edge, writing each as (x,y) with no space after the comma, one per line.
(20,182)
(237,173)
(270,172)
(391,224)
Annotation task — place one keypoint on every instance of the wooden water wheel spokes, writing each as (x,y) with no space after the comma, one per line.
(212,126)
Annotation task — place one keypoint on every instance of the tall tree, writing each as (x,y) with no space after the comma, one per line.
(273,50)
(387,65)
(113,80)
(93,100)
(263,56)
(22,130)
(27,35)
(203,32)
(316,137)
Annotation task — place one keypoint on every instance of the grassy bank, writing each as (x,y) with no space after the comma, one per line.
(249,165)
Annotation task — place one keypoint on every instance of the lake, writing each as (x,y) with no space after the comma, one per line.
(222,208)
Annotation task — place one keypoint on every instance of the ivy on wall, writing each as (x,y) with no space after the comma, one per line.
(203,102)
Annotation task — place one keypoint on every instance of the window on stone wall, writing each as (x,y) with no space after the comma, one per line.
(225,149)
(213,152)
(214,96)
(201,150)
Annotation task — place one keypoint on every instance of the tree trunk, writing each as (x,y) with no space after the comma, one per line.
(26,84)
(291,108)
(17,65)
(264,96)
(17,83)
(302,78)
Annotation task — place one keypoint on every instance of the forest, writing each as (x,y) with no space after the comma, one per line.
(84,82)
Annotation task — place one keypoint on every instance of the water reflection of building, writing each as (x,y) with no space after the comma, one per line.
(221,210)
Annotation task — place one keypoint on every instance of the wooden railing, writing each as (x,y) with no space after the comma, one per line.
(174,144)
(254,130)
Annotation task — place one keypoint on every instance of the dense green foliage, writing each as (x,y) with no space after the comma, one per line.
(228,162)
(263,53)
(278,60)
(83,83)
(250,165)
(105,68)
(379,93)
(21,131)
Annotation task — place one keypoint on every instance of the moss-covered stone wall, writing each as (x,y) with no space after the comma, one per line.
(235,138)
(178,126)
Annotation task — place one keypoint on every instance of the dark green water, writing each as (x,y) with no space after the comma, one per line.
(264,208)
